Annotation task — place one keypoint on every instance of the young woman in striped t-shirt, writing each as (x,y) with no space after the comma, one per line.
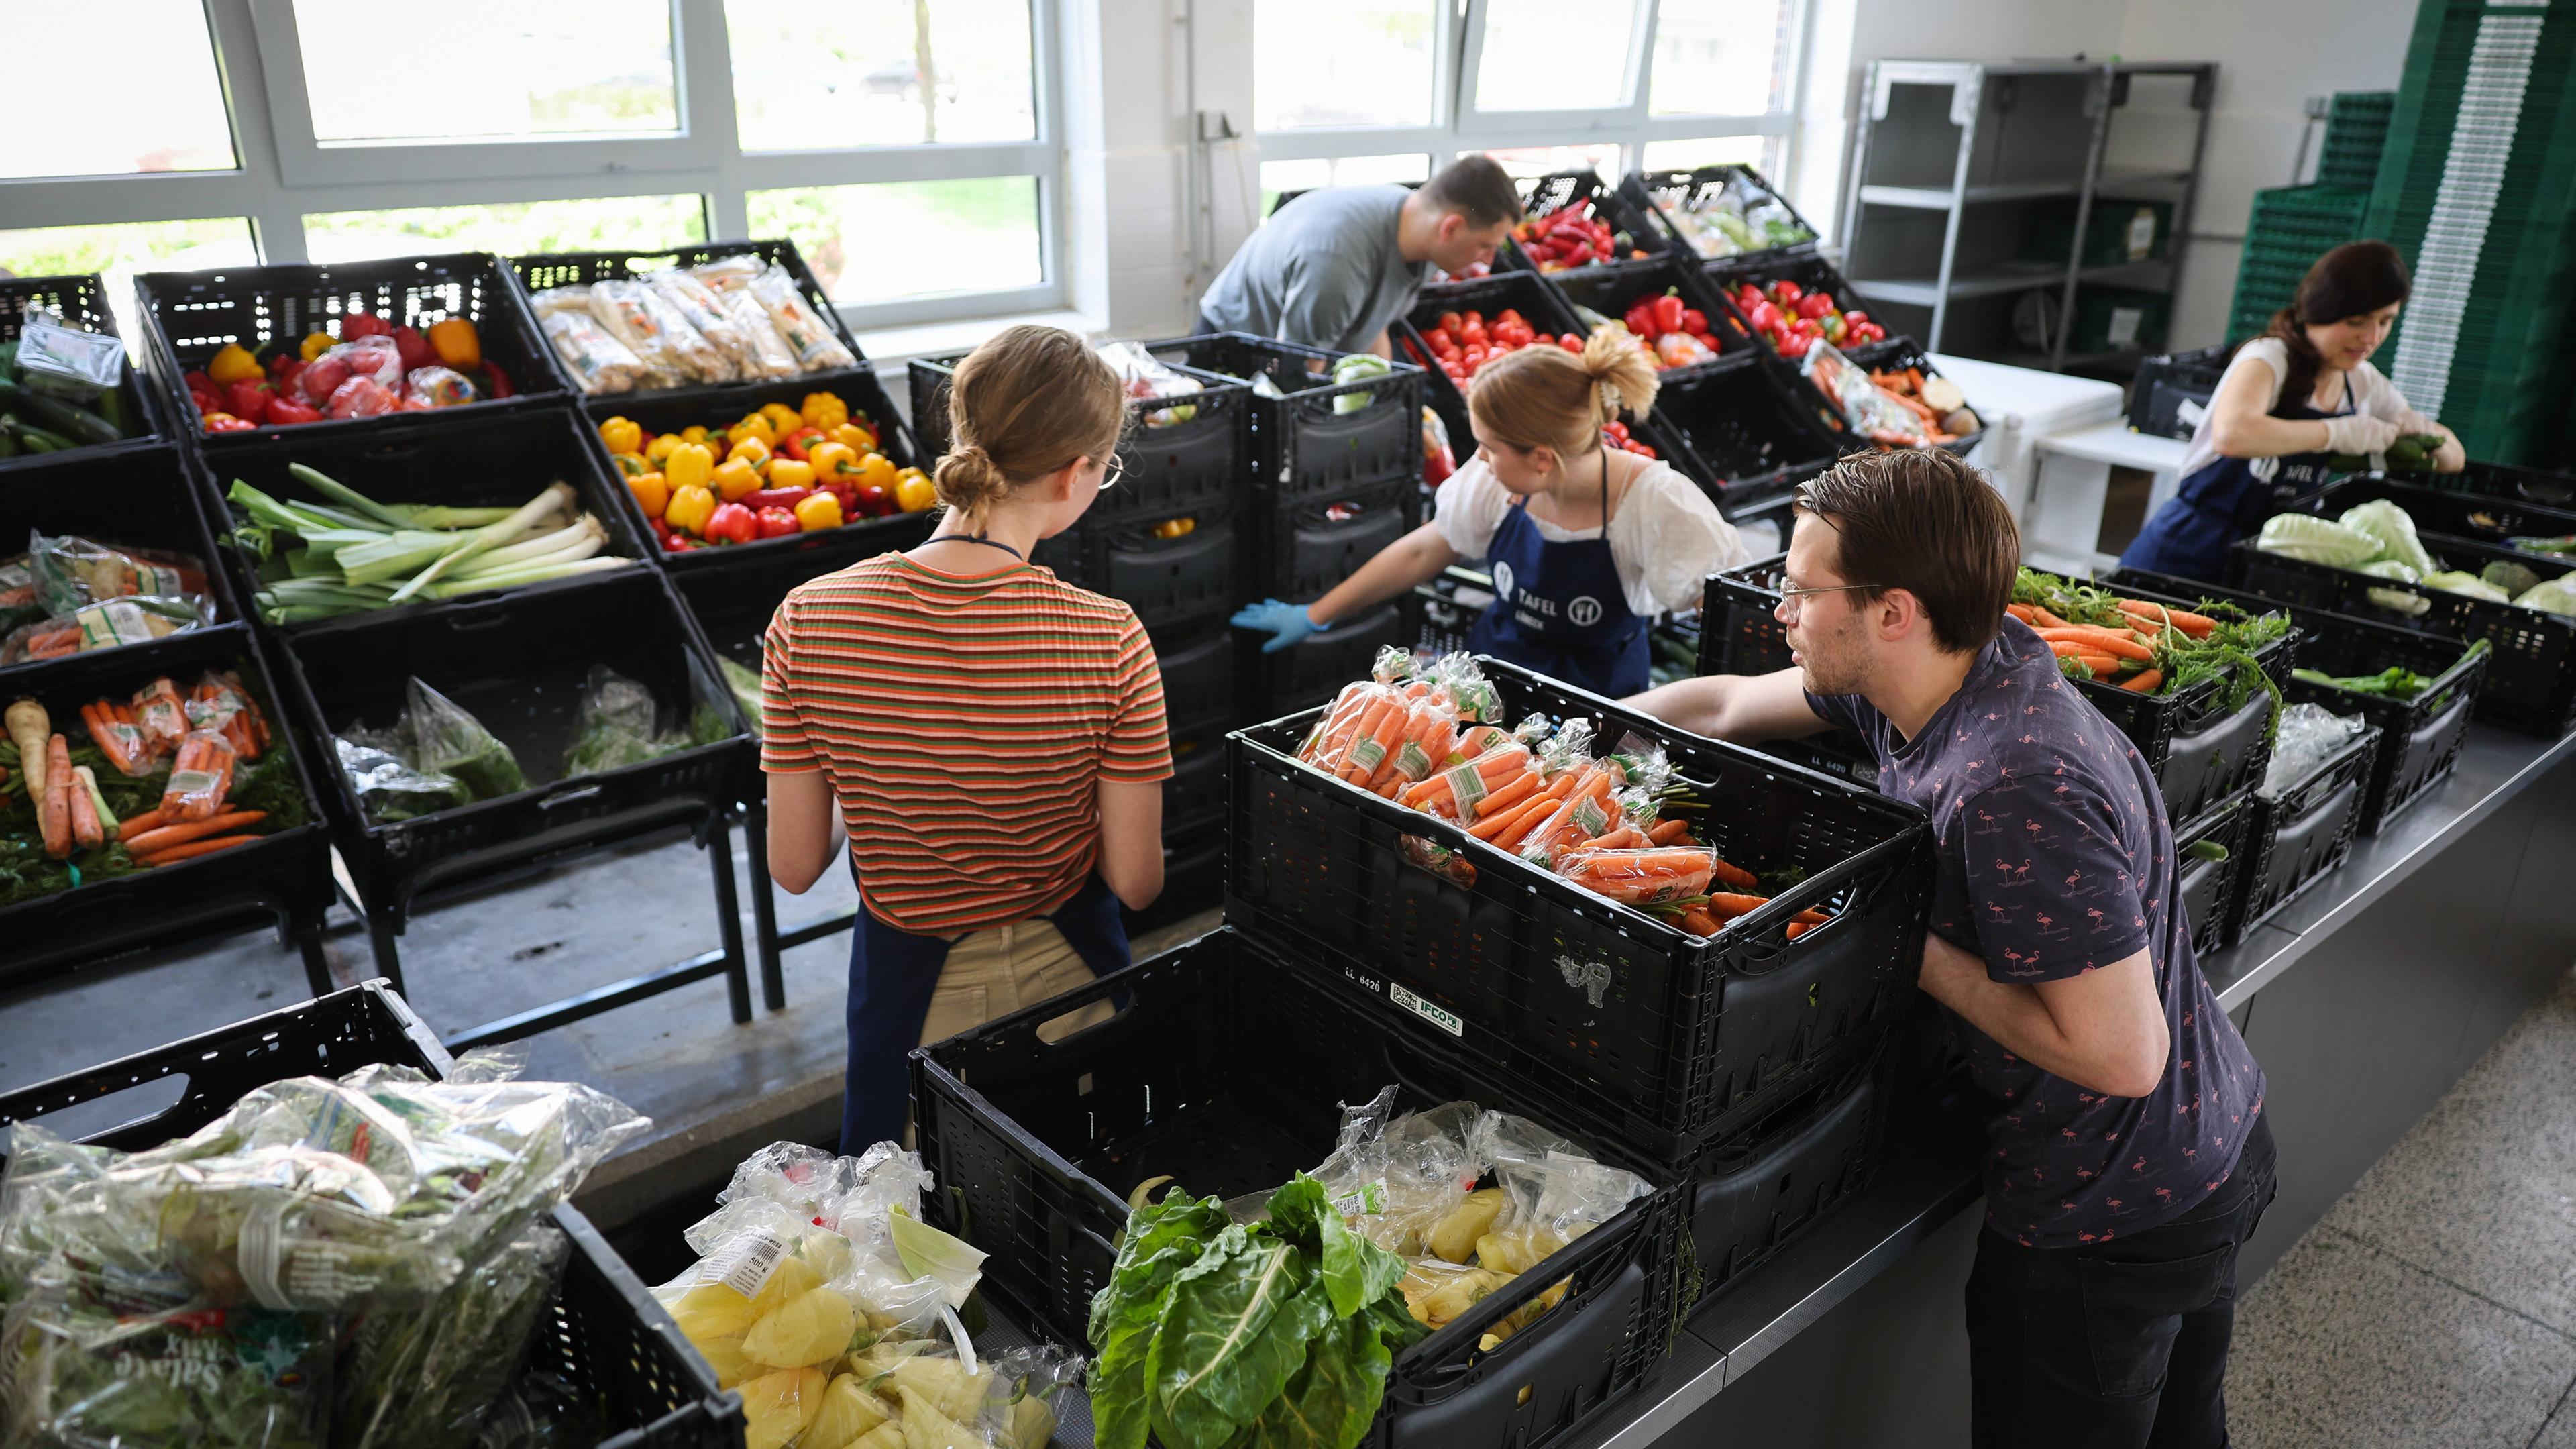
(989,736)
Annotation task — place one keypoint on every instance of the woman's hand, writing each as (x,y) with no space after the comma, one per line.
(2452,456)
(1286,623)
(804,829)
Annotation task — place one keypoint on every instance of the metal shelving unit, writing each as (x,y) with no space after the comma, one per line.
(1957,163)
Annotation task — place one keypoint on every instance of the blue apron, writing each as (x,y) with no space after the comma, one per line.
(2227,500)
(893,975)
(1559,607)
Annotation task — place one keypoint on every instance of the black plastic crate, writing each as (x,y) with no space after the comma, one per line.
(519,666)
(2530,684)
(2499,480)
(1305,444)
(1196,466)
(284,877)
(1835,752)
(2171,392)
(1194,798)
(1449,605)
(1312,670)
(671,411)
(1759,1193)
(1750,432)
(1316,544)
(2200,748)
(187,317)
(1894,355)
(1810,271)
(138,498)
(2420,738)
(1669,191)
(1197,661)
(2208,890)
(2299,835)
(1666,1041)
(605,1335)
(502,459)
(2487,518)
(1611,291)
(1165,579)
(81,302)
(543,270)
(1527,293)
(1542,197)
(1227,1071)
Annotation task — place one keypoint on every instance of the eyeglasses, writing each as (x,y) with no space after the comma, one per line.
(1111,472)
(1794,601)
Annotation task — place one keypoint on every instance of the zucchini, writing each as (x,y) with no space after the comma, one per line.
(61,417)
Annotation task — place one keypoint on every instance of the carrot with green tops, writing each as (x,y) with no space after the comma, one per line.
(2197,626)
(134,825)
(1493,825)
(1589,809)
(86,831)
(1733,904)
(1510,838)
(1509,794)
(153,842)
(1379,731)
(1332,738)
(2143,681)
(1699,922)
(2024,612)
(54,808)
(200,776)
(1735,875)
(2102,665)
(1626,837)
(2100,641)
(194,848)
(1800,928)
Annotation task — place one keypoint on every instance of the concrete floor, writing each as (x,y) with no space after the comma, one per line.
(2435,1306)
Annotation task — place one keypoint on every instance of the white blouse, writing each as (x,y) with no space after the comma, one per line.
(2368,388)
(1665,539)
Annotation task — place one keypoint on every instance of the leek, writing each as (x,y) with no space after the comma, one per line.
(428,515)
(345,496)
(554,500)
(519,577)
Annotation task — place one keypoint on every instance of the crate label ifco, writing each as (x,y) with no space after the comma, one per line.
(1447,1021)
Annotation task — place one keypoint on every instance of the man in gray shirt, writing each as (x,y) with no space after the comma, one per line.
(1338,265)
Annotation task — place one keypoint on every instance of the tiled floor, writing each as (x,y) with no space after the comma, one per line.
(2435,1306)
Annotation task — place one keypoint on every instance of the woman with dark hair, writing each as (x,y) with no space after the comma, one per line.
(2289,400)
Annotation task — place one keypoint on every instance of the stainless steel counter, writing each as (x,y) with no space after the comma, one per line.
(1928,1179)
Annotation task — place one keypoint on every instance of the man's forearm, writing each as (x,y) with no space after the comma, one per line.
(2014,1016)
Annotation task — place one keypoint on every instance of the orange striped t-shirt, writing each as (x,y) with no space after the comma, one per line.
(965,724)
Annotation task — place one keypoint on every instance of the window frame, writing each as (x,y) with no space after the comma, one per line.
(282,173)
(1460,128)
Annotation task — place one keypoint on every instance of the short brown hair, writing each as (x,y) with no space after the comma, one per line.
(1920,520)
(1547,397)
(1022,406)
(1477,188)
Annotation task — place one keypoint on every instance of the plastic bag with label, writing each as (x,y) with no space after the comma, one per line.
(805,331)
(64,361)
(599,362)
(616,726)
(447,740)
(436,387)
(1400,1180)
(426,1379)
(635,314)
(1872,413)
(689,299)
(364,359)
(1147,378)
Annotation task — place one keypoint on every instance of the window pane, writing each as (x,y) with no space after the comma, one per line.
(1720,57)
(65,124)
(880,72)
(1278,177)
(1343,63)
(1528,161)
(562,68)
(639,223)
(1541,56)
(124,249)
(902,239)
(1753,151)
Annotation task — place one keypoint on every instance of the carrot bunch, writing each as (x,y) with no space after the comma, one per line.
(138,735)
(2126,654)
(200,736)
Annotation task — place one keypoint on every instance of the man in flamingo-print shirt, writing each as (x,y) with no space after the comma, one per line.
(2127,1158)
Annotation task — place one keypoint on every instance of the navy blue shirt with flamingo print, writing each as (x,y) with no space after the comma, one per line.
(2055,859)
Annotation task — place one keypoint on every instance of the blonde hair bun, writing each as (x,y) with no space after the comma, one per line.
(1547,397)
(1022,406)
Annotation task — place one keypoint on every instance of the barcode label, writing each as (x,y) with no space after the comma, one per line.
(746,1264)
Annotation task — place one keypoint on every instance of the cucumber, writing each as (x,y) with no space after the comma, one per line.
(61,417)
(39,440)
(111,408)
(8,439)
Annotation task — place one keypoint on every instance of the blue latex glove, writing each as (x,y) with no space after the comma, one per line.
(1287,623)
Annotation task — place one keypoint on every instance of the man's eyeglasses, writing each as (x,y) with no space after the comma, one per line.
(1793,601)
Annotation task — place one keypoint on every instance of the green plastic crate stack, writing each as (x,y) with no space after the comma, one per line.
(2477,188)
(2356,133)
(2292,227)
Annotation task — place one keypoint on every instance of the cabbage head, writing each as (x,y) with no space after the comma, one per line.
(2315,540)
(2388,523)
(2557,596)
(2460,581)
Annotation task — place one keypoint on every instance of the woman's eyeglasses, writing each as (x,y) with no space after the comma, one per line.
(1112,471)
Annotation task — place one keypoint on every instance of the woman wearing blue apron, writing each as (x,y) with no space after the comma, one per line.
(989,737)
(1587,543)
(2289,401)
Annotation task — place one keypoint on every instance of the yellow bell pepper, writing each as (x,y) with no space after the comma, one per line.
(913,491)
(789,473)
(878,469)
(818,510)
(234,364)
(661,446)
(689,466)
(456,343)
(824,410)
(653,491)
(693,434)
(735,477)
(833,460)
(314,345)
(690,508)
(782,420)
(622,435)
(753,425)
(854,437)
(750,450)
(631,465)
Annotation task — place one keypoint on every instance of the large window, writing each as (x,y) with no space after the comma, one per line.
(1340,86)
(909,147)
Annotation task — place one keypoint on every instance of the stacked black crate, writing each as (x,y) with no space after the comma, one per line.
(1171,539)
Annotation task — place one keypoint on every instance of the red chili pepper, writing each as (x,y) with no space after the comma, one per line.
(500,380)
(733,523)
(285,411)
(766,498)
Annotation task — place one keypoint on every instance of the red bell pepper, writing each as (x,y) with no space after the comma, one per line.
(1571,343)
(1815,304)
(1694,321)
(875,501)
(1796,345)
(1641,321)
(285,411)
(355,325)
(795,443)
(1786,292)
(1764,317)
(413,348)
(778,523)
(733,523)
(1668,314)
(249,400)
(677,542)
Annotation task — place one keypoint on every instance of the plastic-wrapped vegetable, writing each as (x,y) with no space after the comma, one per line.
(2515,579)
(689,300)
(599,362)
(635,314)
(2308,734)
(2301,536)
(2389,524)
(2400,600)
(425,1380)
(617,726)
(806,333)
(446,740)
